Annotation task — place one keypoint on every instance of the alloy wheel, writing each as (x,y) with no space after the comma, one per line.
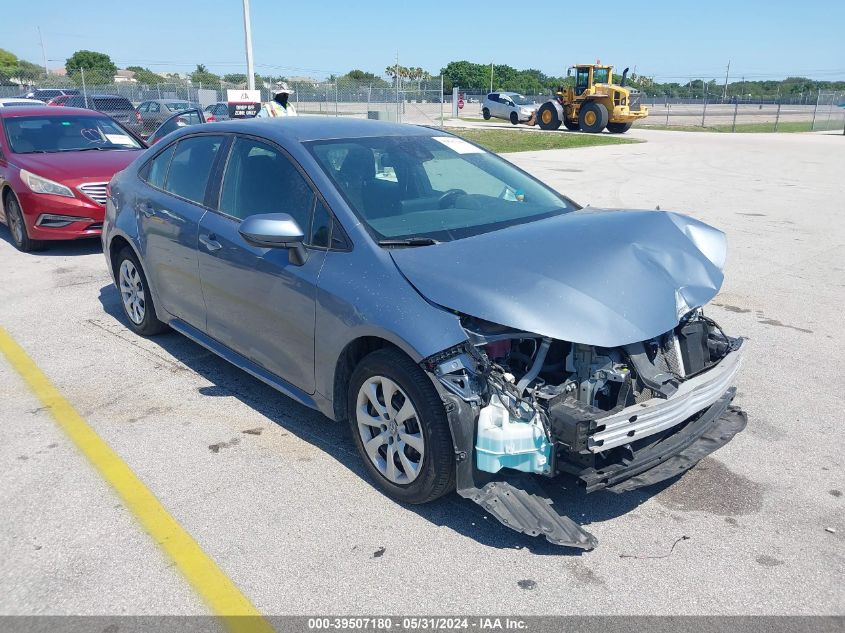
(390,430)
(132,292)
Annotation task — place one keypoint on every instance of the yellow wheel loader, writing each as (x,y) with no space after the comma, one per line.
(593,103)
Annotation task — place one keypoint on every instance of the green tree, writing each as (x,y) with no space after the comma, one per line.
(202,76)
(98,67)
(145,75)
(235,78)
(8,65)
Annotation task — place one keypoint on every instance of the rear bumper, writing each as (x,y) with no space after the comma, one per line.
(623,114)
(36,206)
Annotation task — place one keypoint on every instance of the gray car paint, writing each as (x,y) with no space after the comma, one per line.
(605,278)
(360,292)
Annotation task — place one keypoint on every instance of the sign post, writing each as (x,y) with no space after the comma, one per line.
(243,104)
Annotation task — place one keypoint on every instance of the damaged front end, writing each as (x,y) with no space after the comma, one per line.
(521,404)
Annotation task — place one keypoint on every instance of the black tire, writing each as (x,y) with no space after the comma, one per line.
(437,473)
(486,114)
(17,226)
(592,117)
(514,117)
(547,117)
(618,128)
(572,126)
(149,325)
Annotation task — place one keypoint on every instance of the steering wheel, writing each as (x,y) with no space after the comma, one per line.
(449,197)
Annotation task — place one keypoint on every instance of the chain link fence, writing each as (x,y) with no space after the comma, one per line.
(806,112)
(145,105)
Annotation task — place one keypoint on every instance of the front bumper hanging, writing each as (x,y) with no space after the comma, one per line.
(520,504)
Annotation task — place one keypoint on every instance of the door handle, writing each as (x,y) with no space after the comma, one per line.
(146,210)
(210,242)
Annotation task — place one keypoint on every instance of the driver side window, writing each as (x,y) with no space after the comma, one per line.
(260,179)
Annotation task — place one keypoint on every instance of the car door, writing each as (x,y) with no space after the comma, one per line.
(153,117)
(169,214)
(261,302)
(176,121)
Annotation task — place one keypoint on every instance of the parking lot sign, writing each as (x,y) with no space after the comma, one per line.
(243,104)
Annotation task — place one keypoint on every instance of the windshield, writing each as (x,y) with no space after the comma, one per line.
(178,107)
(440,188)
(36,134)
(600,75)
(521,100)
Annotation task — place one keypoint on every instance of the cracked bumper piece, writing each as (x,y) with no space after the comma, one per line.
(531,514)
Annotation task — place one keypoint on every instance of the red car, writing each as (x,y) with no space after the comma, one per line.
(55,165)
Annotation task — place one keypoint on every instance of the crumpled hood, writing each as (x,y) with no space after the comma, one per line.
(594,276)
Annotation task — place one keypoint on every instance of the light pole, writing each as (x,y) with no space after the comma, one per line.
(491,76)
(250,71)
(43,52)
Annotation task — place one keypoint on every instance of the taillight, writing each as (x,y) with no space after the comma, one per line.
(210,118)
(137,116)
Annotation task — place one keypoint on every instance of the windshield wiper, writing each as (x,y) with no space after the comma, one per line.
(410,241)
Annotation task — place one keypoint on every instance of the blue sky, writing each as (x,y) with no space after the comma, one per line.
(670,40)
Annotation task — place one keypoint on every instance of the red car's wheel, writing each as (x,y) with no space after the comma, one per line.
(17,226)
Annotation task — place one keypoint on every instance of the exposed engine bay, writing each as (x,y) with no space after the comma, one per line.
(603,415)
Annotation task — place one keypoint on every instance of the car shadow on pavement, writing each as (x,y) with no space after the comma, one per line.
(64,248)
(334,439)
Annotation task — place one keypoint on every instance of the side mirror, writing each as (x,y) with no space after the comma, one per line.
(275,230)
(568,72)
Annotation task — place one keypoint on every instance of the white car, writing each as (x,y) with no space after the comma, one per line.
(17,101)
(510,106)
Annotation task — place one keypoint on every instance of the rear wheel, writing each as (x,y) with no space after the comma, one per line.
(486,114)
(399,425)
(135,296)
(592,117)
(17,226)
(618,128)
(547,117)
(514,117)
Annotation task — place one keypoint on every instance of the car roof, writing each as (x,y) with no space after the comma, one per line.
(22,100)
(42,110)
(318,128)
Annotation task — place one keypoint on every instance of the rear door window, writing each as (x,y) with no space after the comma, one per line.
(155,172)
(154,106)
(190,167)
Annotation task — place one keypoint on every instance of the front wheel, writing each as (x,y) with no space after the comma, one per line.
(618,128)
(547,117)
(486,114)
(17,226)
(135,296)
(514,117)
(399,425)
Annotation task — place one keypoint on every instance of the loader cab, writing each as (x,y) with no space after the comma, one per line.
(587,75)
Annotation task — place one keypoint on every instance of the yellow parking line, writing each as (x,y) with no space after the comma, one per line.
(216,589)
